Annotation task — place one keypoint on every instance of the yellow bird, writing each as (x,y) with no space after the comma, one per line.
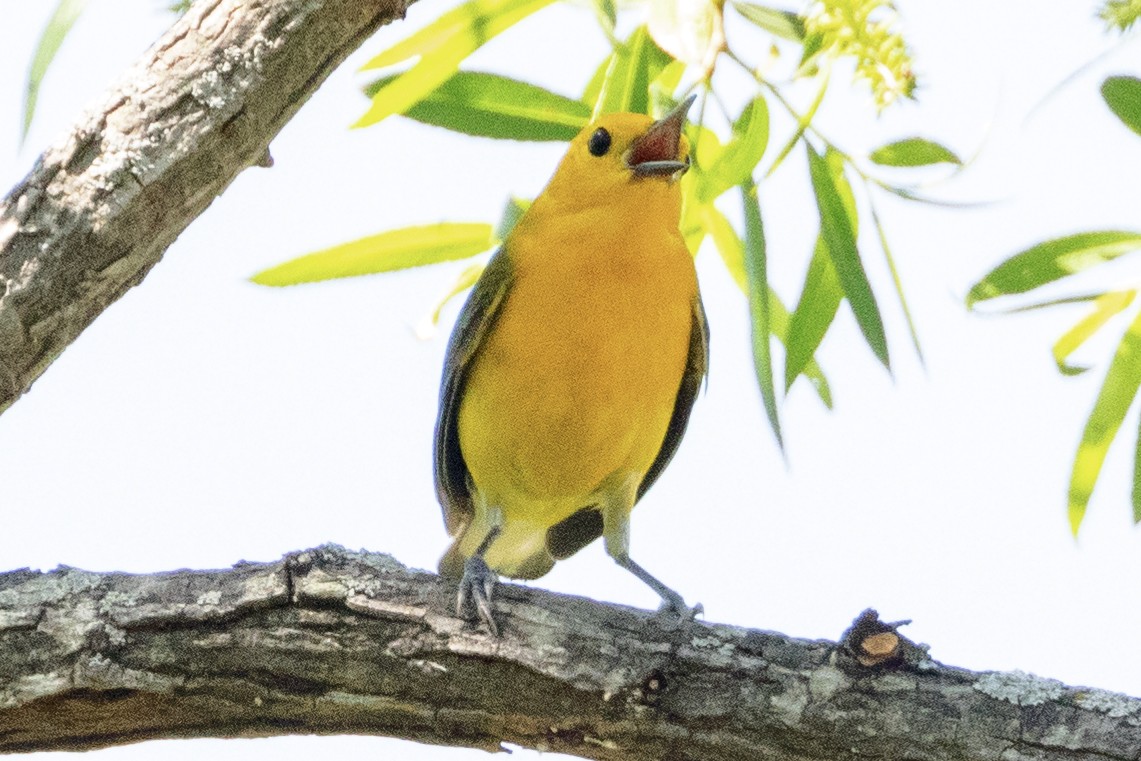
(573,366)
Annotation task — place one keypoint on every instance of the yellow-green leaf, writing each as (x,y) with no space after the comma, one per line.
(692,226)
(441,45)
(785,24)
(1123,96)
(741,155)
(663,85)
(707,149)
(914,151)
(61,22)
(1104,307)
(593,87)
(488,105)
(1137,479)
(1052,260)
(385,252)
(1109,411)
(465,280)
(728,244)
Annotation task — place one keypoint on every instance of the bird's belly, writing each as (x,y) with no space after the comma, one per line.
(572,395)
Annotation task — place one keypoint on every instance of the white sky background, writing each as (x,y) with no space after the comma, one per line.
(202,420)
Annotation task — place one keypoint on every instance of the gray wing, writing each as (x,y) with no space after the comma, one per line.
(696,368)
(472,325)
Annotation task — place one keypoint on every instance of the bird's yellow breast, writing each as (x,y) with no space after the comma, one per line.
(573,389)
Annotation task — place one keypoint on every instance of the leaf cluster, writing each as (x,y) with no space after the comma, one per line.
(655,66)
(659,63)
(1058,260)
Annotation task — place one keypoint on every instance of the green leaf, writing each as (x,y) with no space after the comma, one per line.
(835,162)
(741,155)
(705,148)
(53,36)
(839,237)
(784,24)
(663,85)
(1052,260)
(692,225)
(465,280)
(813,46)
(1120,14)
(593,87)
(385,252)
(1080,299)
(779,321)
(607,14)
(757,276)
(732,252)
(910,194)
(1137,480)
(914,151)
(1113,402)
(441,45)
(801,125)
(488,105)
(1123,96)
(728,244)
(898,282)
(819,301)
(625,87)
(1104,307)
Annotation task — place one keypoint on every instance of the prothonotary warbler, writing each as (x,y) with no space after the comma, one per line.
(573,366)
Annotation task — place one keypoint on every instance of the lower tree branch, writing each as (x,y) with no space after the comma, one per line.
(334,642)
(99,208)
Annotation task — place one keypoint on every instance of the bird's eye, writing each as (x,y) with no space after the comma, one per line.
(599,142)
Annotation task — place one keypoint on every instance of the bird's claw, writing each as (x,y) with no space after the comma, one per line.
(476,587)
(674,614)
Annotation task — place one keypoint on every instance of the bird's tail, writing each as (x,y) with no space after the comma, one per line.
(452,563)
(500,557)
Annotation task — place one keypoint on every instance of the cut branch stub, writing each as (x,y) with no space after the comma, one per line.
(875,643)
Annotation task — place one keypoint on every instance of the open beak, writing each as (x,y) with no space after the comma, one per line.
(654,154)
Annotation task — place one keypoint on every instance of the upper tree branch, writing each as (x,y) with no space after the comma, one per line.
(99,208)
(328,641)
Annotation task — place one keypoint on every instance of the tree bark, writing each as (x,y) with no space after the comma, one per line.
(334,642)
(99,208)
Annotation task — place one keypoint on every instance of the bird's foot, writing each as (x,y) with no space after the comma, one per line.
(674,614)
(476,587)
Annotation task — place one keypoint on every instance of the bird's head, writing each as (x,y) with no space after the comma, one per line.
(625,157)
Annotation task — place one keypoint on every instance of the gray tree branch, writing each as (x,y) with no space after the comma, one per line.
(329,641)
(99,208)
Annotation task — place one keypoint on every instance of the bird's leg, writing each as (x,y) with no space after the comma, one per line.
(672,602)
(478,583)
(616,530)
